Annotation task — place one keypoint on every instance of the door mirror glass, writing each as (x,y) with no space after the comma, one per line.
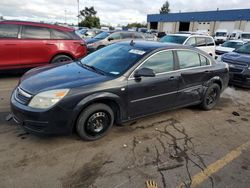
(144,72)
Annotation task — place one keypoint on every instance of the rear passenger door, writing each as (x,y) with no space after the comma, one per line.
(195,70)
(36,46)
(9,46)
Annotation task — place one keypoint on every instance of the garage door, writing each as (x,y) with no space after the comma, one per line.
(229,26)
(168,27)
(204,26)
(247,28)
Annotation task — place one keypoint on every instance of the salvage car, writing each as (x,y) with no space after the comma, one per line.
(203,42)
(228,46)
(114,85)
(30,44)
(239,65)
(107,38)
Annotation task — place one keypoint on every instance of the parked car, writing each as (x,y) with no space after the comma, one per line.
(245,36)
(107,38)
(228,46)
(116,84)
(235,35)
(220,36)
(88,33)
(29,44)
(203,42)
(239,65)
(150,37)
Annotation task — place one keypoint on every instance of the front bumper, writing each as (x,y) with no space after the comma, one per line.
(240,79)
(55,121)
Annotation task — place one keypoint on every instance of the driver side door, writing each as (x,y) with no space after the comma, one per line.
(148,95)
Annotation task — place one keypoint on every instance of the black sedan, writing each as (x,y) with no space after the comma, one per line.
(116,84)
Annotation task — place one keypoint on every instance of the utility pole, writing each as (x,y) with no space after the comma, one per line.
(65,16)
(78,13)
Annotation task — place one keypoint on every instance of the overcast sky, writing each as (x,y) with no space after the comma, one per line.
(110,11)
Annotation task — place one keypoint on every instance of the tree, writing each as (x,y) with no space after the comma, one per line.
(137,25)
(165,8)
(89,18)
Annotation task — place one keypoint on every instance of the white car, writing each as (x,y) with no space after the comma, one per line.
(245,36)
(228,46)
(203,42)
(220,36)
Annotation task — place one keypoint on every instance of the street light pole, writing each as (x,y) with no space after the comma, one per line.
(78,13)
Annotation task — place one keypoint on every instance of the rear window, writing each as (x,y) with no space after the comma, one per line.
(174,39)
(138,36)
(126,35)
(200,41)
(210,41)
(8,31)
(57,34)
(34,32)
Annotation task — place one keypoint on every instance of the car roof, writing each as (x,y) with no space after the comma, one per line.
(236,41)
(52,26)
(152,45)
(189,35)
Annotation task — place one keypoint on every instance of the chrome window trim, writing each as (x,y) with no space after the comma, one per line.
(210,63)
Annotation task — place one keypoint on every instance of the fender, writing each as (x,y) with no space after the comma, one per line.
(215,79)
(103,96)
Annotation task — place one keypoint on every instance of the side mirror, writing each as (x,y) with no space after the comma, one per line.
(110,38)
(144,72)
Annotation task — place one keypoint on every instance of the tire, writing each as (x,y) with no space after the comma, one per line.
(95,122)
(61,59)
(100,47)
(211,97)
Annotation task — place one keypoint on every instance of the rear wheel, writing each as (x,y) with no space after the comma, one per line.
(211,97)
(95,121)
(61,59)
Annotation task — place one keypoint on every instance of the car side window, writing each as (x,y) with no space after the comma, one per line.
(200,41)
(204,61)
(9,31)
(115,36)
(191,41)
(57,34)
(126,35)
(188,59)
(34,32)
(160,62)
(210,41)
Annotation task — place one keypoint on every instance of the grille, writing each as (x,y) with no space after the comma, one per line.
(22,96)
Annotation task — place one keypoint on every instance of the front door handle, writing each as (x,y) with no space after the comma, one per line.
(49,44)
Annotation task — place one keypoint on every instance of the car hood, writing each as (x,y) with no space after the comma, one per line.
(92,40)
(236,57)
(59,76)
(224,49)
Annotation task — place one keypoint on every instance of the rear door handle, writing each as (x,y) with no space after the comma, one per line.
(49,44)
(208,72)
(173,78)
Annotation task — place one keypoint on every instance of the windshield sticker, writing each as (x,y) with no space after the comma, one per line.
(114,73)
(138,52)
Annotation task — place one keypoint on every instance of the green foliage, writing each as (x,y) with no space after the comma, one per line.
(89,17)
(165,8)
(137,25)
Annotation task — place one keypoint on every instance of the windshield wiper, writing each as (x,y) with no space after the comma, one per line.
(94,69)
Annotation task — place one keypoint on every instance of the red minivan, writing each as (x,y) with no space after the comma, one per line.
(30,44)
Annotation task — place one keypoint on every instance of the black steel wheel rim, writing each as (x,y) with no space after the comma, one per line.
(212,97)
(98,123)
(63,59)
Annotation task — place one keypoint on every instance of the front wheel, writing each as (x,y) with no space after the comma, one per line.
(95,121)
(211,97)
(61,59)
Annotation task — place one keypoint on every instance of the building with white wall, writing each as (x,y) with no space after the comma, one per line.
(238,19)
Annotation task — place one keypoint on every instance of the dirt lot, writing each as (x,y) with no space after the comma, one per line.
(182,148)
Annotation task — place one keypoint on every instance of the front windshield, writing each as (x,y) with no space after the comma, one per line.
(230,44)
(174,39)
(102,35)
(221,34)
(245,36)
(245,49)
(114,60)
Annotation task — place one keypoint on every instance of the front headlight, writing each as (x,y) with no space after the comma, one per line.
(48,99)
